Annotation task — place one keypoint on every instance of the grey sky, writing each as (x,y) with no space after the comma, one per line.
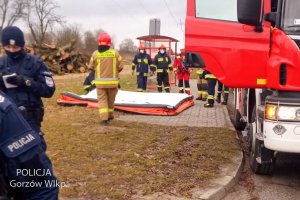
(126,18)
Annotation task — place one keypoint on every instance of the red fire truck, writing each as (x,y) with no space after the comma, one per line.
(253,45)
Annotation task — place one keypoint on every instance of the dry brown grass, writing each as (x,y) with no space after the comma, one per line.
(125,158)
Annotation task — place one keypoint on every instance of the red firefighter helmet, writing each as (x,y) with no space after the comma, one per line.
(141,47)
(162,47)
(104,39)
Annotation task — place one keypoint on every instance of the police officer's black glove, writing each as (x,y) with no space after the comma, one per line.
(2,86)
(1,79)
(17,80)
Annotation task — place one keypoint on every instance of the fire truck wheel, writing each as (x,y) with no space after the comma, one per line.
(238,123)
(237,117)
(256,151)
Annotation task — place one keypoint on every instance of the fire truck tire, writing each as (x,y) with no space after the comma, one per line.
(255,151)
(237,117)
(238,124)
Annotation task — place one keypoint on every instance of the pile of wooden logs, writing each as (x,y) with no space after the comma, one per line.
(61,59)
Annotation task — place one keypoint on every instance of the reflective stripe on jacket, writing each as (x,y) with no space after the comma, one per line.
(107,67)
(141,62)
(199,71)
(162,61)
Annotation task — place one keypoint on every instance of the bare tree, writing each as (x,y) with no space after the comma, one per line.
(90,40)
(68,33)
(127,45)
(11,11)
(41,17)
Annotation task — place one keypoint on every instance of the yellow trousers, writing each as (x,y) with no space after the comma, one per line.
(106,100)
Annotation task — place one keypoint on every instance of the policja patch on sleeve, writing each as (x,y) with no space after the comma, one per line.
(49,81)
(20,144)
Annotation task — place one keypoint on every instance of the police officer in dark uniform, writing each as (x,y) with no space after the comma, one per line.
(162,64)
(27,78)
(141,63)
(21,153)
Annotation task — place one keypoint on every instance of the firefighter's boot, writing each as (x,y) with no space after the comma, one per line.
(225,99)
(218,99)
(104,123)
(159,88)
(209,104)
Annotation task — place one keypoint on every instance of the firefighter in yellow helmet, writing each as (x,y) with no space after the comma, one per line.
(106,63)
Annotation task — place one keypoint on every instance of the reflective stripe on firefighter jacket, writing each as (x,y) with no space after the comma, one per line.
(199,71)
(162,62)
(208,75)
(141,63)
(107,67)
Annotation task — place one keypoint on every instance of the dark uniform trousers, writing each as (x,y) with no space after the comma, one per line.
(226,93)
(163,78)
(141,64)
(162,63)
(142,82)
(184,87)
(211,84)
(21,149)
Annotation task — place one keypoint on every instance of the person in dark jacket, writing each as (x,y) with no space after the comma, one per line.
(25,168)
(162,64)
(27,79)
(141,64)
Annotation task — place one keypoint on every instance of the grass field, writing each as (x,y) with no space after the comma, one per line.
(126,158)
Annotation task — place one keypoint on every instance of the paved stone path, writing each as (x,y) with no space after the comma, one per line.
(195,116)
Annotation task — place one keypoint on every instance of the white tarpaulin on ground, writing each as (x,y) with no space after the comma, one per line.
(139,102)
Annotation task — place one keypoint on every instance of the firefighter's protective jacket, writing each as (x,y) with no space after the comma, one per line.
(162,62)
(107,66)
(141,62)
